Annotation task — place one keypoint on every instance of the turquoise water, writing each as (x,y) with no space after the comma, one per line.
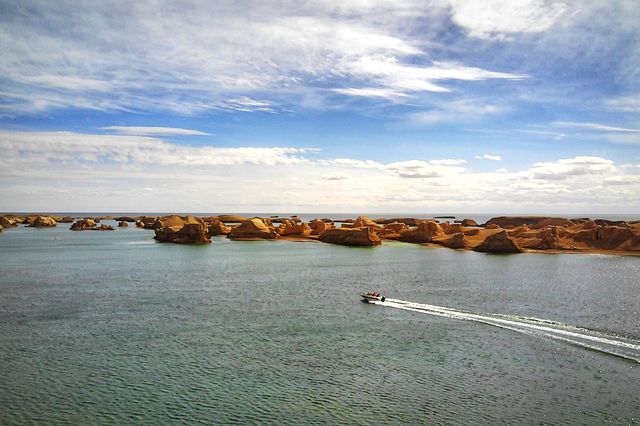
(111,327)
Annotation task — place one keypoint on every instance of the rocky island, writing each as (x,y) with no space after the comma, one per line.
(504,234)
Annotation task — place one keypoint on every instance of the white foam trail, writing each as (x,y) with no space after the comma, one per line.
(607,343)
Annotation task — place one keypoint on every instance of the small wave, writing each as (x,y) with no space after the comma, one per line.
(592,339)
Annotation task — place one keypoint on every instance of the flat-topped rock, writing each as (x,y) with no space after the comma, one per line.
(253,229)
(351,237)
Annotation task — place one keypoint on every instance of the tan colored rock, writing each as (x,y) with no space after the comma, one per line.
(453,228)
(319,226)
(351,236)
(66,219)
(534,222)
(125,219)
(216,227)
(499,242)
(43,222)
(122,224)
(364,221)
(83,225)
(8,221)
(253,229)
(182,230)
(492,226)
(103,228)
(230,218)
(469,222)
(424,232)
(288,227)
(149,222)
(395,227)
(456,241)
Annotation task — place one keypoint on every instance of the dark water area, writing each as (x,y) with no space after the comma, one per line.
(111,327)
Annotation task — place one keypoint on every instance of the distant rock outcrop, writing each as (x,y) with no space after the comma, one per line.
(122,224)
(364,221)
(43,222)
(253,229)
(424,232)
(8,221)
(318,226)
(499,243)
(456,241)
(216,227)
(125,219)
(230,218)
(103,228)
(469,222)
(290,228)
(83,225)
(66,219)
(182,230)
(532,222)
(351,236)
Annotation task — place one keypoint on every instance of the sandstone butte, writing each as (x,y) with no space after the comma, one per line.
(251,229)
(182,230)
(351,236)
(499,235)
(43,222)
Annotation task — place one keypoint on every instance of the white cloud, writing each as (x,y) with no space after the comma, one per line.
(145,131)
(465,110)
(501,18)
(625,103)
(448,162)
(489,157)
(570,167)
(595,126)
(102,172)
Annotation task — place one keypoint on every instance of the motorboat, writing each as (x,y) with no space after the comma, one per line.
(372,296)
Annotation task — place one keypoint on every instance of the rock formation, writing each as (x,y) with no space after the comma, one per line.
(125,219)
(122,224)
(456,241)
(229,218)
(42,222)
(8,221)
(83,225)
(364,221)
(216,227)
(499,243)
(182,230)
(318,226)
(424,232)
(66,219)
(253,229)
(102,228)
(469,222)
(288,227)
(350,236)
(533,222)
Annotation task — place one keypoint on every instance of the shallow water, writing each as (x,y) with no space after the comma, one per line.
(111,327)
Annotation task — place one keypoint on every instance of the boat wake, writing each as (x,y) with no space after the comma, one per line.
(603,342)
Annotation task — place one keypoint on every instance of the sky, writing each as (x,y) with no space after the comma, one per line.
(506,106)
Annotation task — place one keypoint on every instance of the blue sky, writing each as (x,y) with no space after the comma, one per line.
(523,106)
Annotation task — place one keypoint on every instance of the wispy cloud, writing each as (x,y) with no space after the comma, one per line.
(489,157)
(145,131)
(594,126)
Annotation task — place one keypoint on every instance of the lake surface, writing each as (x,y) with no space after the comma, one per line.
(111,327)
